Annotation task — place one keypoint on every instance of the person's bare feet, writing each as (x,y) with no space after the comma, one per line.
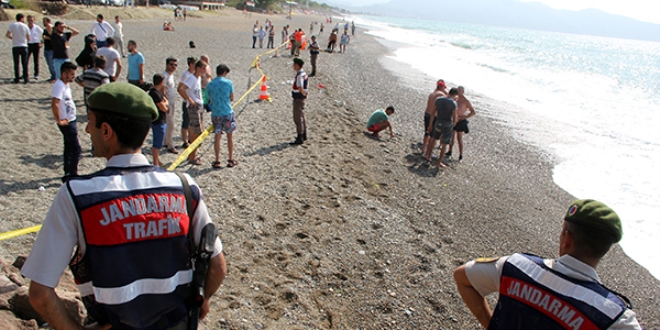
(441,164)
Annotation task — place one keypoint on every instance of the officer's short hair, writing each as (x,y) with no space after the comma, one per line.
(588,241)
(130,133)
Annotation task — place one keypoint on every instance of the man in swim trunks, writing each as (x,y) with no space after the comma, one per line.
(443,128)
(440,91)
(462,125)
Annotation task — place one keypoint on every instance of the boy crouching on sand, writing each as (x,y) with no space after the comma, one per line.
(380,120)
(159,125)
(221,94)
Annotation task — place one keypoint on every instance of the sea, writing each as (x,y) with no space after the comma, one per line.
(592,103)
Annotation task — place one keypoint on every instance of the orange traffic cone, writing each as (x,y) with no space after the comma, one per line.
(264,91)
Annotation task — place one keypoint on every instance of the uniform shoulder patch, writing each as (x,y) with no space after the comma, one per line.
(486,260)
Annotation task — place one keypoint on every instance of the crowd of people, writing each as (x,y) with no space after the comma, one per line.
(162,212)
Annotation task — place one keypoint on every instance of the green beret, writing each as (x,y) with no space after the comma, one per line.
(123,99)
(595,215)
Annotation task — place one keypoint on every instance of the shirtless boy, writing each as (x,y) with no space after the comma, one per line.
(440,91)
(206,78)
(461,127)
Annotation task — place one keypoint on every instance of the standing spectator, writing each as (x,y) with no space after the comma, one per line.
(463,112)
(135,65)
(119,35)
(205,79)
(85,59)
(352,28)
(271,37)
(93,78)
(298,36)
(48,48)
(299,94)
(159,125)
(311,28)
(292,43)
(185,120)
(255,34)
(35,44)
(191,90)
(332,41)
(64,111)
(221,93)
(60,41)
(313,55)
(185,14)
(444,125)
(285,34)
(321,29)
(170,94)
(262,35)
(345,39)
(102,30)
(113,65)
(19,33)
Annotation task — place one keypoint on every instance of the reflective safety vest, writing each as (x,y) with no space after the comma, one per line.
(136,270)
(533,296)
(295,93)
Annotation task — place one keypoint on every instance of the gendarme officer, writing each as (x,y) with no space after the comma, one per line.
(564,293)
(130,225)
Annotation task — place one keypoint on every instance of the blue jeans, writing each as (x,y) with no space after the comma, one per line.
(57,62)
(100,44)
(72,149)
(48,54)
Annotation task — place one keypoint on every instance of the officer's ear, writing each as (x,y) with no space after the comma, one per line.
(566,240)
(106,131)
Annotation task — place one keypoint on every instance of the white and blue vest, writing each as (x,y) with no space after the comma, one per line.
(136,270)
(533,296)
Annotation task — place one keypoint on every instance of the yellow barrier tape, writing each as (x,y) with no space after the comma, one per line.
(19,232)
(184,154)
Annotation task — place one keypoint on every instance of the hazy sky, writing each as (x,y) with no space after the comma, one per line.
(643,10)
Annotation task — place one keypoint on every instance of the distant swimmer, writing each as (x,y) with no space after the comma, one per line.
(444,125)
(462,126)
(440,91)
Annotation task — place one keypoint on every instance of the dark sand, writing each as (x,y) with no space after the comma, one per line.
(344,231)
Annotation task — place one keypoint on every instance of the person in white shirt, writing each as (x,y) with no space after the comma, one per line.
(19,33)
(170,94)
(102,30)
(64,111)
(119,36)
(191,90)
(113,65)
(35,44)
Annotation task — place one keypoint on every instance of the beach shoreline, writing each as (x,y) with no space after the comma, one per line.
(344,231)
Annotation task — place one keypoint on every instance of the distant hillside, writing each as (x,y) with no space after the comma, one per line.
(518,14)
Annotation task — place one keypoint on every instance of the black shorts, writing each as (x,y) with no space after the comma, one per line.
(427,121)
(462,126)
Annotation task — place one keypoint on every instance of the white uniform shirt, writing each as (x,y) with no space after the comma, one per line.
(485,278)
(19,34)
(62,92)
(35,34)
(111,55)
(102,30)
(61,231)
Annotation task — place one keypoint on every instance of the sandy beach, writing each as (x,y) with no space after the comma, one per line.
(345,231)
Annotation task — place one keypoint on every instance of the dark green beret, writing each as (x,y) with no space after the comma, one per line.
(123,99)
(595,215)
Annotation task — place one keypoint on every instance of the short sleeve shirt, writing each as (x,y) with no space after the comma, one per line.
(445,108)
(19,34)
(119,30)
(61,230)
(157,96)
(134,62)
(170,87)
(378,116)
(111,55)
(59,43)
(194,85)
(62,92)
(219,90)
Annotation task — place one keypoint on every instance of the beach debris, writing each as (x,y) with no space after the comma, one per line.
(361,252)
(41,188)
(320,86)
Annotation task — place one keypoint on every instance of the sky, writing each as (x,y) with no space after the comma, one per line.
(643,10)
